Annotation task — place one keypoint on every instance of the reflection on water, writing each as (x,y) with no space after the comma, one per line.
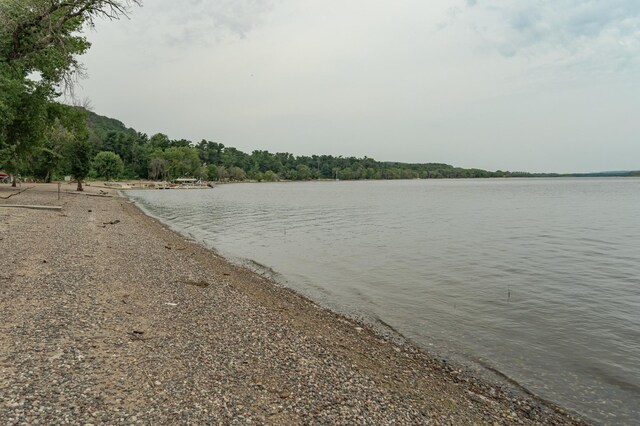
(538,278)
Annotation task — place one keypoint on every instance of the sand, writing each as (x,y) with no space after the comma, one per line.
(108,317)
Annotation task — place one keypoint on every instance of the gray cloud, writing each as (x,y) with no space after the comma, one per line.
(201,22)
(600,30)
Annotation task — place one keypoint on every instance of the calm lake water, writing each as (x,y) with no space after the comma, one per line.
(537,278)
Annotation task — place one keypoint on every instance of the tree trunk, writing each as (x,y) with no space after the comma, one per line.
(13,181)
(79,185)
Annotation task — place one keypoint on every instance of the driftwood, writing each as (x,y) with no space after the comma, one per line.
(25,206)
(89,195)
(16,193)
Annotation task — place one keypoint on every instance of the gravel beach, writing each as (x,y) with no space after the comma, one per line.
(108,317)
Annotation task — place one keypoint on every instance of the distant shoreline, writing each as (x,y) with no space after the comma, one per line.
(135,183)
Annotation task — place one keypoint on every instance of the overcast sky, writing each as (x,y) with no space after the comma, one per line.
(536,85)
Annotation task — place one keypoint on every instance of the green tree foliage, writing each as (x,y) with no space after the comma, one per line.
(182,161)
(175,162)
(159,157)
(202,173)
(25,130)
(232,157)
(70,138)
(210,152)
(39,44)
(222,173)
(134,148)
(108,164)
(48,159)
(264,160)
(237,174)
(158,168)
(159,141)
(212,172)
(79,156)
(270,176)
(304,172)
(254,174)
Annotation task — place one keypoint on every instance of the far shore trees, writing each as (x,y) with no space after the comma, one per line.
(237,174)
(143,158)
(269,176)
(158,168)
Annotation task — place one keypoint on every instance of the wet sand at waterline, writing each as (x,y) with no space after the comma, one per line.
(108,317)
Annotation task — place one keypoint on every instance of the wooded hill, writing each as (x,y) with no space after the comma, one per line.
(119,152)
(158,157)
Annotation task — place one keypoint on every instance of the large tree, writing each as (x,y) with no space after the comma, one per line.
(67,124)
(79,156)
(40,41)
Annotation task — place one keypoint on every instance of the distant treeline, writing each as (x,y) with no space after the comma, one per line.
(622,173)
(158,157)
(121,152)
